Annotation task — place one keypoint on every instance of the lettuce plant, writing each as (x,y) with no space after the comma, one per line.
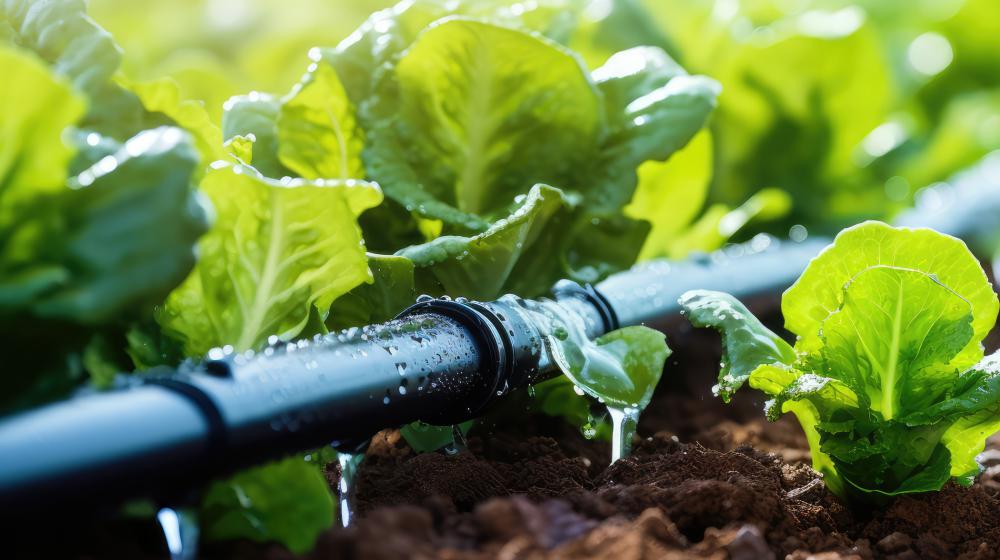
(887,374)
(77,259)
(505,164)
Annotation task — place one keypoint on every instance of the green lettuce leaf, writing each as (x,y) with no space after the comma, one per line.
(164,96)
(363,57)
(132,222)
(81,249)
(654,109)
(619,369)
(623,367)
(36,108)
(278,250)
(287,501)
(820,289)
(77,210)
(884,376)
(255,116)
(894,338)
(746,341)
(462,126)
(499,259)
(76,48)
(670,194)
(318,135)
(60,32)
(390,292)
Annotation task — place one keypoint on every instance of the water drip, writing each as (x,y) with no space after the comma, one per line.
(623,425)
(180,531)
(595,372)
(349,463)
(458,443)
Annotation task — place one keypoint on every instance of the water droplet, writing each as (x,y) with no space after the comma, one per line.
(458,443)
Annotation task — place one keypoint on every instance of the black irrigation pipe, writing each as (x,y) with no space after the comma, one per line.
(440,361)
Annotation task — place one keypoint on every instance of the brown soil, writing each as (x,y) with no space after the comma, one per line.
(704,481)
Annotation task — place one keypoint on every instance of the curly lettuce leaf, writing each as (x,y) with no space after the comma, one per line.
(60,32)
(361,58)
(820,289)
(279,249)
(457,142)
(164,96)
(886,385)
(318,134)
(312,132)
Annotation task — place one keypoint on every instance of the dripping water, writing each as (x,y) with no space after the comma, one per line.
(349,463)
(623,425)
(458,443)
(180,531)
(567,345)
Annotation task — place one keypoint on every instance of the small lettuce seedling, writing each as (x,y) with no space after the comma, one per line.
(887,375)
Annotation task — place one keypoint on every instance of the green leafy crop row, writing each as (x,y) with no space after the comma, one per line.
(887,375)
(151,210)
(137,232)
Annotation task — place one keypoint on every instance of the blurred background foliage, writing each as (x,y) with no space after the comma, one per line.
(850,107)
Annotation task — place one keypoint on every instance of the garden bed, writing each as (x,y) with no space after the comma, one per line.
(704,480)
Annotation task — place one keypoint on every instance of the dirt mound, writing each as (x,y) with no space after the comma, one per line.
(668,500)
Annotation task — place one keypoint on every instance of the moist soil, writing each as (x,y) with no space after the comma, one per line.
(704,480)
